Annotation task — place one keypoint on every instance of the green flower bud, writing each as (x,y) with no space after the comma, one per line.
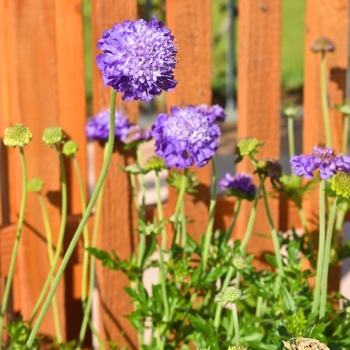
(17,135)
(291,182)
(239,262)
(247,147)
(230,295)
(150,228)
(340,184)
(133,169)
(344,108)
(239,347)
(208,348)
(291,111)
(35,185)
(155,163)
(53,135)
(70,148)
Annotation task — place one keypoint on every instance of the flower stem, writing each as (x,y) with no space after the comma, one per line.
(51,259)
(321,247)
(160,210)
(236,209)
(60,236)
(236,324)
(16,243)
(79,230)
(208,233)
(291,145)
(326,259)
(345,134)
(326,120)
(274,235)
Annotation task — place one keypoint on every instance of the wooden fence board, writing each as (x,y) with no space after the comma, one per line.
(118,220)
(190,23)
(259,97)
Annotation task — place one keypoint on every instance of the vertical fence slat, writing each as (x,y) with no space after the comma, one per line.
(190,23)
(118,220)
(259,97)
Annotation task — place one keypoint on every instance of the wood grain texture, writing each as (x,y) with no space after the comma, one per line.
(190,23)
(118,220)
(259,99)
(324,19)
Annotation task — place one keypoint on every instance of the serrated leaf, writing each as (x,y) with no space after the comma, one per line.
(200,324)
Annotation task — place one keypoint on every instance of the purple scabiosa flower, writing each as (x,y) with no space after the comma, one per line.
(325,160)
(303,165)
(215,112)
(185,137)
(343,163)
(138,59)
(98,128)
(240,185)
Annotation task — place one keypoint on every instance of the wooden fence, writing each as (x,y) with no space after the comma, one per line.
(42,85)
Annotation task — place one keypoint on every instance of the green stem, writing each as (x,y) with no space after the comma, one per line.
(51,259)
(79,230)
(236,209)
(321,247)
(274,235)
(326,119)
(16,243)
(60,236)
(88,303)
(338,226)
(251,219)
(134,193)
(183,225)
(345,134)
(160,210)
(223,287)
(209,232)
(236,324)
(85,231)
(291,145)
(327,253)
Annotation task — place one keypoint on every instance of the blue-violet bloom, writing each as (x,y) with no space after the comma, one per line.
(138,59)
(185,137)
(98,128)
(241,185)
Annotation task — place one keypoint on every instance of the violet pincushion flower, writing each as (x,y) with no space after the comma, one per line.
(188,136)
(241,185)
(138,59)
(98,128)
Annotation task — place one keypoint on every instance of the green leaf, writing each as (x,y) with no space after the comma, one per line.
(200,324)
(105,258)
(288,300)
(271,259)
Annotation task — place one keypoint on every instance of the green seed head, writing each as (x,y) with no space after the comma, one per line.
(291,111)
(247,146)
(270,167)
(70,148)
(35,184)
(239,262)
(53,135)
(305,343)
(340,184)
(323,45)
(237,347)
(17,135)
(230,295)
(155,163)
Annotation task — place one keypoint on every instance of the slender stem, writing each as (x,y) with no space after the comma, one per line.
(327,253)
(251,219)
(326,119)
(291,145)
(339,225)
(321,247)
(88,304)
(85,231)
(208,233)
(345,134)
(135,194)
(95,333)
(16,243)
(160,210)
(236,324)
(60,236)
(183,225)
(236,210)
(274,235)
(51,259)
(219,305)
(79,230)
(303,220)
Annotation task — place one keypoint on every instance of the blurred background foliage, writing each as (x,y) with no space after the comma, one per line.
(292,46)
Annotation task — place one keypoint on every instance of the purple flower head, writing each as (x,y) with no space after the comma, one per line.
(343,163)
(240,185)
(303,165)
(185,137)
(98,128)
(138,59)
(215,112)
(325,160)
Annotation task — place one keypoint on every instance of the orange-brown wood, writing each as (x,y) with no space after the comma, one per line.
(118,219)
(259,99)
(190,23)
